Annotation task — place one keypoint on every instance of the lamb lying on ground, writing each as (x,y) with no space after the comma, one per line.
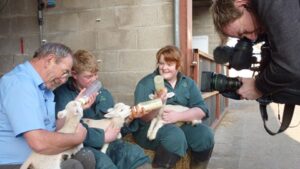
(116,116)
(158,122)
(73,113)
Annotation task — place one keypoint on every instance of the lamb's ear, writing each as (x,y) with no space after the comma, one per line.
(151,96)
(110,110)
(62,114)
(170,94)
(109,115)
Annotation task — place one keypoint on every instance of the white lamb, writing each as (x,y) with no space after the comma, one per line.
(73,113)
(157,122)
(116,116)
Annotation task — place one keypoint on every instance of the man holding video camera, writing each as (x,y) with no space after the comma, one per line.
(279,21)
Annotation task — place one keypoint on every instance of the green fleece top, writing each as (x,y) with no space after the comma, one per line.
(104,101)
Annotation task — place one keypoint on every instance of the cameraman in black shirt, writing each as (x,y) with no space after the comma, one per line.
(279,20)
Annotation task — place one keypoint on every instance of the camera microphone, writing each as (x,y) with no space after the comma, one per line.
(222,54)
(239,57)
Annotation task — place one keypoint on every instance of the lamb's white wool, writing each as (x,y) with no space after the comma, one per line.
(73,113)
(116,117)
(157,122)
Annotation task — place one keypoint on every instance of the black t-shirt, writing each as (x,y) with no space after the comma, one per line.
(281,19)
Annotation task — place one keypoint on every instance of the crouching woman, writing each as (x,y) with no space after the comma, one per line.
(172,142)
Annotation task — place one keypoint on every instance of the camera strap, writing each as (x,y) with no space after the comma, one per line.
(286,119)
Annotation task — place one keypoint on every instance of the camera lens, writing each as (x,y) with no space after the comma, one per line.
(211,82)
(222,83)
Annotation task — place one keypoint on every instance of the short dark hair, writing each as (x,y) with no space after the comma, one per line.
(223,13)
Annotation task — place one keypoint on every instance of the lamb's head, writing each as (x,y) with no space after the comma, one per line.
(73,108)
(119,110)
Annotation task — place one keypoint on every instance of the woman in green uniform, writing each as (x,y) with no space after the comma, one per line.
(120,154)
(172,142)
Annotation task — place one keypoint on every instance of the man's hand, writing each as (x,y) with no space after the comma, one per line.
(248,90)
(46,142)
(80,133)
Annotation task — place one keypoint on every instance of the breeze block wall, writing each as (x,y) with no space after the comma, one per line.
(124,35)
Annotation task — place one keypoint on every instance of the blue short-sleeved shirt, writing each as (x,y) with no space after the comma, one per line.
(25,105)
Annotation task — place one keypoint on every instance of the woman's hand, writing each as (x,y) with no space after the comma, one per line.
(89,101)
(171,116)
(111,133)
(162,94)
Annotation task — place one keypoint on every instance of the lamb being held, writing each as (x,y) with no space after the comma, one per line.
(158,122)
(72,113)
(116,117)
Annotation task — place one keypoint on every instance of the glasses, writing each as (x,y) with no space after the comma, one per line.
(65,74)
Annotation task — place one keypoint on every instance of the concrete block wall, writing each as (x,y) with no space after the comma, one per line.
(124,34)
(203,25)
(17,20)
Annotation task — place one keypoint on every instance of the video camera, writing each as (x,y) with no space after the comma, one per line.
(239,57)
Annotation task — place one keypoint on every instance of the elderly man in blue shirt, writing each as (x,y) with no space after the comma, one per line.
(27,108)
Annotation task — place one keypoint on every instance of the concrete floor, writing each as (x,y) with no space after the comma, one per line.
(242,142)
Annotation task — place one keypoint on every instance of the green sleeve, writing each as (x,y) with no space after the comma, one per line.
(94,137)
(104,101)
(62,98)
(143,90)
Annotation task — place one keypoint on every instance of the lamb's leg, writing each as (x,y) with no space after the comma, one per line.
(77,149)
(72,151)
(104,148)
(40,161)
(158,125)
(119,136)
(27,163)
(151,128)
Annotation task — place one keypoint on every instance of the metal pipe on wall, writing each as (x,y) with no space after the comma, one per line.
(40,18)
(176,23)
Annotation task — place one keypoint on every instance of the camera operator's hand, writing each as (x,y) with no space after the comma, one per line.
(248,90)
